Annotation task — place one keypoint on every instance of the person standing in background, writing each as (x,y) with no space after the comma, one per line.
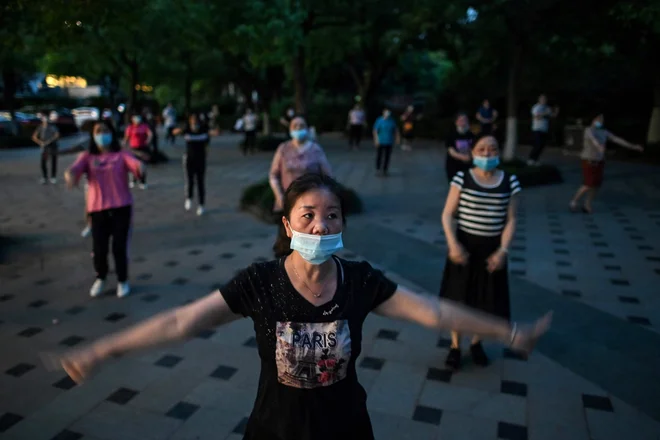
(138,137)
(285,120)
(541,115)
(408,128)
(169,118)
(356,124)
(486,115)
(151,122)
(459,147)
(250,121)
(385,134)
(46,136)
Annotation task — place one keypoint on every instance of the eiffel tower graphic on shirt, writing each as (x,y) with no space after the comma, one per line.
(305,371)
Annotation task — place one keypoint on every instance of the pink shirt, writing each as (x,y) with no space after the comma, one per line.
(291,162)
(137,135)
(107,178)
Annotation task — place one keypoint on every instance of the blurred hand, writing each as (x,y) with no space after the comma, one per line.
(80,364)
(458,255)
(638,148)
(496,261)
(527,336)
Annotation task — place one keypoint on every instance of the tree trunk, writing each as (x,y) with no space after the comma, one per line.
(187,87)
(300,83)
(512,101)
(653,135)
(9,81)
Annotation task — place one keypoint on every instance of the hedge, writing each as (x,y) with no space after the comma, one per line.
(533,175)
(259,199)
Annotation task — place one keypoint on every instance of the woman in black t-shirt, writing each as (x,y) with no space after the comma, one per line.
(308,309)
(459,144)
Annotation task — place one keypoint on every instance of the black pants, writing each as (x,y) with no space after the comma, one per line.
(383,156)
(250,141)
(355,135)
(141,158)
(154,143)
(115,223)
(195,167)
(49,152)
(539,144)
(170,135)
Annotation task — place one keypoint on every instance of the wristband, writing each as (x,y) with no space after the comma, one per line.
(504,250)
(514,333)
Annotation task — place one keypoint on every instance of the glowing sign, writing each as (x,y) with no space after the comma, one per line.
(66,81)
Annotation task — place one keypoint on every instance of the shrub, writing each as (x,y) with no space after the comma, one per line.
(270,143)
(259,199)
(533,175)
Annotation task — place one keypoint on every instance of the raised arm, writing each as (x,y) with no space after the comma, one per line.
(624,143)
(150,136)
(275,177)
(441,314)
(170,326)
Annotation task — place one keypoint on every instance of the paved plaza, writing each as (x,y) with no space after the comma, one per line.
(593,377)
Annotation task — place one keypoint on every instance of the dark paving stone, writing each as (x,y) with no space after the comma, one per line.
(411,230)
(387,334)
(260,259)
(241,426)
(601,403)
(7,420)
(43,282)
(168,361)
(182,411)
(418,222)
(66,383)
(591,227)
(645,247)
(38,303)
(138,260)
(205,334)
(624,222)
(180,281)
(595,235)
(223,372)
(517,259)
(620,282)
(561,251)
(612,268)
(438,375)
(194,252)
(372,363)
(571,293)
(439,242)
(639,320)
(509,431)
(444,343)
(567,277)
(518,272)
(29,332)
(67,435)
(519,248)
(144,276)
(600,244)
(562,263)
(427,414)
(171,263)
(114,317)
(71,341)
(252,342)
(556,232)
(149,298)
(630,229)
(519,238)
(5,297)
(605,255)
(629,299)
(510,354)
(559,241)
(656,259)
(205,268)
(226,256)
(246,245)
(514,388)
(75,310)
(122,396)
(19,369)
(636,237)
(554,224)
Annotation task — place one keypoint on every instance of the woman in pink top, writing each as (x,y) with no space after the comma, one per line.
(138,137)
(109,201)
(298,156)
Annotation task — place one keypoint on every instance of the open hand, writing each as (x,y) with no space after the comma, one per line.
(458,255)
(80,364)
(495,261)
(638,148)
(527,336)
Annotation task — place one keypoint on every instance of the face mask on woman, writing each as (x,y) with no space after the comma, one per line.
(598,124)
(461,129)
(486,163)
(386,114)
(103,140)
(137,119)
(316,249)
(299,135)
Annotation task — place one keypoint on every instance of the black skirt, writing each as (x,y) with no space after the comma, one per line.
(472,284)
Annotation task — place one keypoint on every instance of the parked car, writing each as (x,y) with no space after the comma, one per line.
(5,126)
(26,120)
(60,116)
(84,114)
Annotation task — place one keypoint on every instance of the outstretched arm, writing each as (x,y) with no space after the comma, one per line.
(442,314)
(624,143)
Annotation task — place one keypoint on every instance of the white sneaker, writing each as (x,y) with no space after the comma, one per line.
(143,186)
(53,180)
(131,184)
(42,181)
(123,289)
(97,288)
(200,210)
(85,232)
(187,205)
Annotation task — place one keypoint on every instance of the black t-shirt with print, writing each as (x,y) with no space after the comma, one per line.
(308,386)
(461,142)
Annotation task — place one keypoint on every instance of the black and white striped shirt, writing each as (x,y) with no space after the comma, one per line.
(482,210)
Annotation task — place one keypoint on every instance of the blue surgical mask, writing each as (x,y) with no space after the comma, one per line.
(316,249)
(486,163)
(598,124)
(299,135)
(462,130)
(103,139)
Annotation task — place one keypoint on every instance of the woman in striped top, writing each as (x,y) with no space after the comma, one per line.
(483,201)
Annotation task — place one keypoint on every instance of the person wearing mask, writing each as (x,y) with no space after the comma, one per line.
(385,133)
(169,119)
(308,310)
(197,137)
(356,123)
(138,137)
(292,159)
(484,201)
(486,115)
(109,201)
(459,146)
(593,162)
(250,121)
(408,119)
(541,115)
(46,136)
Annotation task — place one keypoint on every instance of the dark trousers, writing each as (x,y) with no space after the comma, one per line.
(170,135)
(115,223)
(250,143)
(49,152)
(355,135)
(539,144)
(383,156)
(195,167)
(143,155)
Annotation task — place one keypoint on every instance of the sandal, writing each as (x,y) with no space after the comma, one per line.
(453,360)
